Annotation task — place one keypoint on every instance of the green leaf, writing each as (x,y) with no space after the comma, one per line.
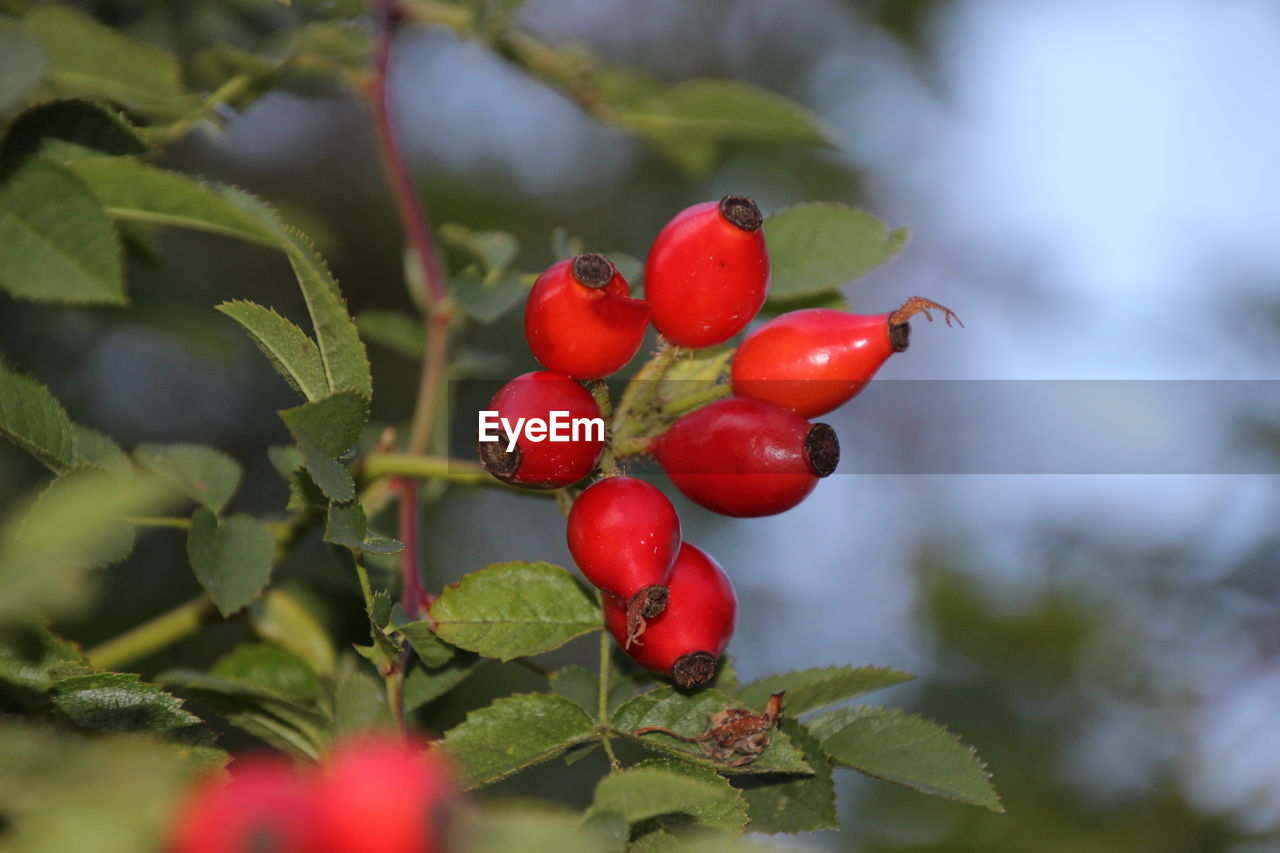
(97,451)
(54,803)
(345,362)
(506,826)
(689,715)
(207,476)
(231,557)
(136,192)
(291,352)
(907,749)
(818,246)
(59,245)
(578,683)
(279,617)
(32,659)
(512,610)
(271,667)
(22,63)
(495,250)
(728,811)
(121,702)
(77,523)
(810,689)
(346,365)
(429,648)
(34,420)
(284,723)
(487,298)
(360,703)
(645,792)
(71,130)
(88,59)
(394,330)
(424,684)
(324,430)
(513,733)
(723,110)
(346,526)
(793,803)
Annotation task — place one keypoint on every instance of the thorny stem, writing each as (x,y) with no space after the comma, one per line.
(602,694)
(154,634)
(608,460)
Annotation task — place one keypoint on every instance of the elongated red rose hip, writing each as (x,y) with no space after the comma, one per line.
(707,274)
(533,459)
(624,535)
(815,360)
(747,458)
(580,319)
(685,641)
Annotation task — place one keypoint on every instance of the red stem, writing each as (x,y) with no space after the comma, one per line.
(415,598)
(417,226)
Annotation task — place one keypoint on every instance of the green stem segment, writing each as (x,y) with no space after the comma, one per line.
(602,695)
(154,634)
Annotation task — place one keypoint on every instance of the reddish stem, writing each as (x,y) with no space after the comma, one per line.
(414,596)
(417,226)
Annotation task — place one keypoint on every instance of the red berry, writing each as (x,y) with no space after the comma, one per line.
(382,794)
(535,462)
(708,272)
(624,535)
(580,319)
(745,457)
(262,805)
(816,360)
(685,641)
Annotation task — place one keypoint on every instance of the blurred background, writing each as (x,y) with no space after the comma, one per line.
(1091,185)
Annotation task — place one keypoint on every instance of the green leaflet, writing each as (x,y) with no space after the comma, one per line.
(688,716)
(71,130)
(893,745)
(207,476)
(810,689)
(230,556)
(87,59)
(34,419)
(818,246)
(512,610)
(513,733)
(59,245)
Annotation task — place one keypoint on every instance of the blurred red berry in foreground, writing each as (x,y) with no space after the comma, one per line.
(382,794)
(264,805)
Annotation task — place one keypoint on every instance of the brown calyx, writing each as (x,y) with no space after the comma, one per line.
(497,460)
(822,449)
(918,305)
(694,668)
(742,212)
(899,336)
(645,604)
(593,270)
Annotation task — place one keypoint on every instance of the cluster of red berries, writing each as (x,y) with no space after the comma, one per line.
(378,794)
(753,454)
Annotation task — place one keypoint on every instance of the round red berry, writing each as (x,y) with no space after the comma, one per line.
(382,794)
(580,319)
(707,274)
(747,458)
(816,360)
(534,460)
(263,804)
(624,535)
(686,640)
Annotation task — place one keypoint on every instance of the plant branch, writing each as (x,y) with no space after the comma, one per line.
(602,694)
(154,634)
